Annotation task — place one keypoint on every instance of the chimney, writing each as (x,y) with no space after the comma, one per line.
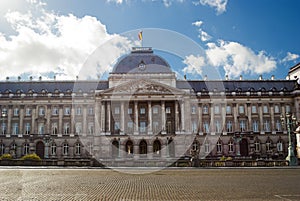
(260,77)
(40,78)
(30,78)
(19,78)
(241,77)
(226,77)
(7,79)
(184,77)
(77,77)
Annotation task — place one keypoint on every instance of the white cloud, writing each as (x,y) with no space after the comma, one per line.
(237,59)
(194,64)
(290,57)
(219,5)
(116,1)
(204,36)
(197,23)
(48,43)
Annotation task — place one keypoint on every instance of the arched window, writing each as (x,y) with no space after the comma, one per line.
(268,145)
(257,146)
(280,146)
(143,147)
(77,149)
(129,147)
(219,146)
(2,149)
(115,149)
(156,148)
(26,149)
(65,149)
(195,145)
(230,146)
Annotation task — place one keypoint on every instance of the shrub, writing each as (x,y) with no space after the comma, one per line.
(6,156)
(31,157)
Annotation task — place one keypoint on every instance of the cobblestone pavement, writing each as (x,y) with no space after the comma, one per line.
(169,184)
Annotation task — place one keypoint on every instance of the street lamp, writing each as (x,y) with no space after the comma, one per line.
(290,121)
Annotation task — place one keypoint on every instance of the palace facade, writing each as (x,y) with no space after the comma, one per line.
(143,114)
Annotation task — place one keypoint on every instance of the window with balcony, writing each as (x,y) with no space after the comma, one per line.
(15,128)
(206,127)
(255,125)
(243,125)
(41,128)
(54,128)
(267,126)
(27,128)
(229,127)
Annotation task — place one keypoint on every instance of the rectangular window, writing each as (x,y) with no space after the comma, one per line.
(129,111)
(205,109)
(142,110)
(207,148)
(265,109)
(217,109)
(254,109)
(257,146)
(54,129)
(27,128)
(218,126)
(66,128)
(91,129)
(3,128)
(168,110)
(142,126)
(278,125)
(169,127)
(15,128)
(193,109)
(194,127)
(155,110)
(55,111)
(288,109)
(229,126)
(117,110)
(279,146)
(267,127)
(205,127)
(41,111)
(276,109)
(91,111)
(67,111)
(243,125)
(28,111)
(156,127)
(117,126)
(78,111)
(228,109)
(78,127)
(130,126)
(41,128)
(241,109)
(16,112)
(255,126)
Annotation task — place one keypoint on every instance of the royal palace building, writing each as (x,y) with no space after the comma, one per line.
(143,114)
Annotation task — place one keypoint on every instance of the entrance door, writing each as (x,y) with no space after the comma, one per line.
(40,149)
(244,147)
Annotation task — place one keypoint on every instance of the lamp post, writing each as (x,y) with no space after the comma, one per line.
(290,121)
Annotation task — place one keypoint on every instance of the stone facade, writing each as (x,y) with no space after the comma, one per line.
(143,115)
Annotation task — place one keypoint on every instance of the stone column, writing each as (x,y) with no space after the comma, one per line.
(60,120)
(136,118)
(177,128)
(249,116)
(108,114)
(182,115)
(33,115)
(149,118)
(163,116)
(122,118)
(9,115)
(97,117)
(235,115)
(102,119)
(261,121)
(200,119)
(212,119)
(72,129)
(84,118)
(272,118)
(21,119)
(48,118)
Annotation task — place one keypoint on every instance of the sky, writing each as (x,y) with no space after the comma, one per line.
(67,38)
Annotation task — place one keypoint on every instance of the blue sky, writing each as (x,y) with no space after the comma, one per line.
(57,37)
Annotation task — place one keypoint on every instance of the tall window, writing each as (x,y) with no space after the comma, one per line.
(27,128)
(41,111)
(255,126)
(206,147)
(265,109)
(78,127)
(243,125)
(142,126)
(66,128)
(217,109)
(228,109)
(78,110)
(129,111)
(253,109)
(229,126)
(195,146)
(230,146)
(2,149)
(205,109)
(193,109)
(77,149)
(194,127)
(155,110)
(267,127)
(54,129)
(16,111)
(278,125)
(276,109)
(155,127)
(67,111)
(28,111)
(53,149)
(91,110)
(218,126)
(65,149)
(257,146)
(168,110)
(3,128)
(288,109)
(169,127)
(117,126)
(41,128)
(15,128)
(241,109)
(142,110)
(206,127)
(117,110)
(26,149)
(268,145)
(279,146)
(91,127)
(55,111)
(130,126)
(219,147)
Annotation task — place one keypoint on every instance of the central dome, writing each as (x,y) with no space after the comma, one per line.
(141,60)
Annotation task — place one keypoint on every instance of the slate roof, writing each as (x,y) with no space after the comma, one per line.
(51,86)
(130,63)
(237,85)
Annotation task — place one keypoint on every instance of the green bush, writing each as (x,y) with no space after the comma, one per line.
(31,157)
(6,156)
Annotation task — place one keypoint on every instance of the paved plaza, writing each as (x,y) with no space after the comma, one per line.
(138,184)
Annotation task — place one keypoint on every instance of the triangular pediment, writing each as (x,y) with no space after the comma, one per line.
(143,86)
